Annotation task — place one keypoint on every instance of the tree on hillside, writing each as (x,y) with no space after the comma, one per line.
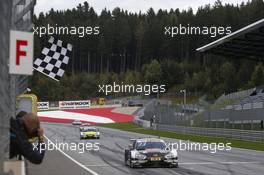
(257,77)
(153,72)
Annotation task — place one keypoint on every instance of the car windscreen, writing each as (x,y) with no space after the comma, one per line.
(89,130)
(150,145)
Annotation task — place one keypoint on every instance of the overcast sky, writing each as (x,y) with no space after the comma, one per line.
(130,5)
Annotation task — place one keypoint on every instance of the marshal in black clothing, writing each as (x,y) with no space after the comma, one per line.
(20,145)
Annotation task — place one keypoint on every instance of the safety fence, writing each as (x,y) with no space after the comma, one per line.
(166,113)
(246,135)
(235,115)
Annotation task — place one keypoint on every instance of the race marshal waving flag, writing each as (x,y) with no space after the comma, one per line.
(53,59)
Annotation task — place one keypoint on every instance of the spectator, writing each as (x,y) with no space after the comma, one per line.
(21,114)
(25,127)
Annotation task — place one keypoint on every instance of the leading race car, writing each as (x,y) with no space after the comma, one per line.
(76,122)
(150,152)
(89,132)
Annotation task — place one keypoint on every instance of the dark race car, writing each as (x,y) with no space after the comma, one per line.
(150,152)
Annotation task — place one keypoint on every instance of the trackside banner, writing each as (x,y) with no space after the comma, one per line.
(43,105)
(74,104)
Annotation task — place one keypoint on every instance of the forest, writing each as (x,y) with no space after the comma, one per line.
(132,48)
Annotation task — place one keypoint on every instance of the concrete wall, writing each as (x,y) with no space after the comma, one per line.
(5,102)
(19,18)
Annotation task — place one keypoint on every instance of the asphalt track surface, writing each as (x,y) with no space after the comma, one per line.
(109,160)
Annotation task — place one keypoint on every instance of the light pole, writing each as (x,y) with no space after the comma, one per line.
(184,96)
(184,99)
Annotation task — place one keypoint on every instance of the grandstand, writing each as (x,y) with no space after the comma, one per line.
(244,109)
(254,100)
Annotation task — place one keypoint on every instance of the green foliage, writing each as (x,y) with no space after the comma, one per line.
(132,48)
(172,73)
(152,72)
(228,77)
(257,77)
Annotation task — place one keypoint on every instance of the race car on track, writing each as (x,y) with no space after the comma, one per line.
(76,122)
(150,152)
(89,132)
(84,125)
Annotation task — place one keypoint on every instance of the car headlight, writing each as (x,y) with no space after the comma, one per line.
(82,134)
(170,156)
(98,133)
(140,156)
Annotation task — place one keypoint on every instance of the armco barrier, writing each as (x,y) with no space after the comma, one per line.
(246,135)
(74,104)
(43,106)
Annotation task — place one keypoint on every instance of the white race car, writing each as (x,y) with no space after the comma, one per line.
(76,122)
(150,152)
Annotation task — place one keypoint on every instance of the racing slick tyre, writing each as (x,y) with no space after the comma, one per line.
(126,157)
(131,165)
(175,166)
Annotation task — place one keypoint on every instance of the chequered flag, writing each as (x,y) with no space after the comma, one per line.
(53,59)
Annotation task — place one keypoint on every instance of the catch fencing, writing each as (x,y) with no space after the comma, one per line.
(246,135)
(165,113)
(235,115)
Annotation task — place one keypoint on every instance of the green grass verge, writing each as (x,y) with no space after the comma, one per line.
(203,139)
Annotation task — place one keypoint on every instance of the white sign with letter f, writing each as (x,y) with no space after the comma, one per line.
(21,53)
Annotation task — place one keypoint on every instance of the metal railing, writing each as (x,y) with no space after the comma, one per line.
(246,135)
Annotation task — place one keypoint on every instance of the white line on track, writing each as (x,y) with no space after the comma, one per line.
(72,159)
(182,163)
(106,165)
(223,163)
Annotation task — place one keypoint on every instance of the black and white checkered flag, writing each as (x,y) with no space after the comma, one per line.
(53,59)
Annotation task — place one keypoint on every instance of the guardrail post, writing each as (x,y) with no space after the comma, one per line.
(262,135)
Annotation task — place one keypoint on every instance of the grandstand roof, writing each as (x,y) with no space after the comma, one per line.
(247,42)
